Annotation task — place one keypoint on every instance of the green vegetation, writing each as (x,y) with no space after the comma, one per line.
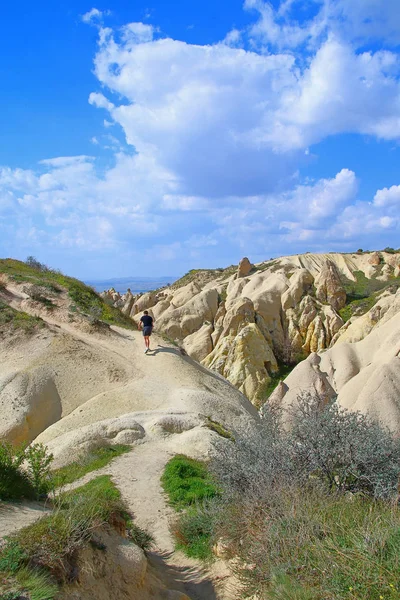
(203,276)
(84,297)
(308,544)
(34,582)
(17,319)
(47,548)
(40,557)
(193,532)
(311,513)
(275,379)
(363,293)
(90,462)
(190,486)
(187,481)
(32,482)
(220,429)
(192,275)
(139,536)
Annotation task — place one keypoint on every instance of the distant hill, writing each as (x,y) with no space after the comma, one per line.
(135,284)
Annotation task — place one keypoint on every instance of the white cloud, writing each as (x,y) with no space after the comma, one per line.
(221,115)
(95,16)
(355,20)
(218,135)
(388,197)
(100,101)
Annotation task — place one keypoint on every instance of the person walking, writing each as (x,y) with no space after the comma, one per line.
(146,324)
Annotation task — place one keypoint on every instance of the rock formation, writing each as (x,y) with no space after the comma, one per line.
(246,322)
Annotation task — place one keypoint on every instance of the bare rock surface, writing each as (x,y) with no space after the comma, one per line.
(295,303)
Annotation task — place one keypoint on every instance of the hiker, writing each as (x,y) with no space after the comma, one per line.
(146,324)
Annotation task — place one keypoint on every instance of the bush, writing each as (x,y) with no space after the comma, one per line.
(38,465)
(312,513)
(15,481)
(347,450)
(35,264)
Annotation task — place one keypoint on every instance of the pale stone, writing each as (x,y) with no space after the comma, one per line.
(329,287)
(244,267)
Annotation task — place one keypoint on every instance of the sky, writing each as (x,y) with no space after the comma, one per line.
(151,137)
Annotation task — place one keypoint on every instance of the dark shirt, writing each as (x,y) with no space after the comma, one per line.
(147,321)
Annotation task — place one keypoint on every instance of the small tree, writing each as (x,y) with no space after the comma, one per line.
(347,449)
(32,262)
(39,461)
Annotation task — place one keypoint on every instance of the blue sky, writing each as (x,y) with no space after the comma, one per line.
(150,137)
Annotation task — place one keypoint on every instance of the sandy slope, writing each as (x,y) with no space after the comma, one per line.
(105,387)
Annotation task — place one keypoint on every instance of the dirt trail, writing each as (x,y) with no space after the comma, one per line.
(137,475)
(15,516)
(162,381)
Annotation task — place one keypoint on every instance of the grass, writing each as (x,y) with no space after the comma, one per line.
(18,320)
(139,536)
(204,276)
(84,297)
(34,582)
(312,545)
(220,429)
(190,486)
(187,481)
(41,556)
(46,550)
(275,379)
(193,532)
(90,462)
(363,293)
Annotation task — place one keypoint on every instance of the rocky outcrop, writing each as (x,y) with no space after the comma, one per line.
(329,288)
(364,375)
(244,358)
(293,305)
(113,567)
(244,267)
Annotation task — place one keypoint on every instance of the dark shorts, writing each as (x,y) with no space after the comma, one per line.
(147,331)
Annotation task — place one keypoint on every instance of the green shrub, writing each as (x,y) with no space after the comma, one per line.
(194,531)
(187,481)
(12,557)
(14,483)
(18,319)
(38,465)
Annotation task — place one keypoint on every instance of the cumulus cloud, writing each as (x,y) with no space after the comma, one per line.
(388,197)
(230,121)
(219,137)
